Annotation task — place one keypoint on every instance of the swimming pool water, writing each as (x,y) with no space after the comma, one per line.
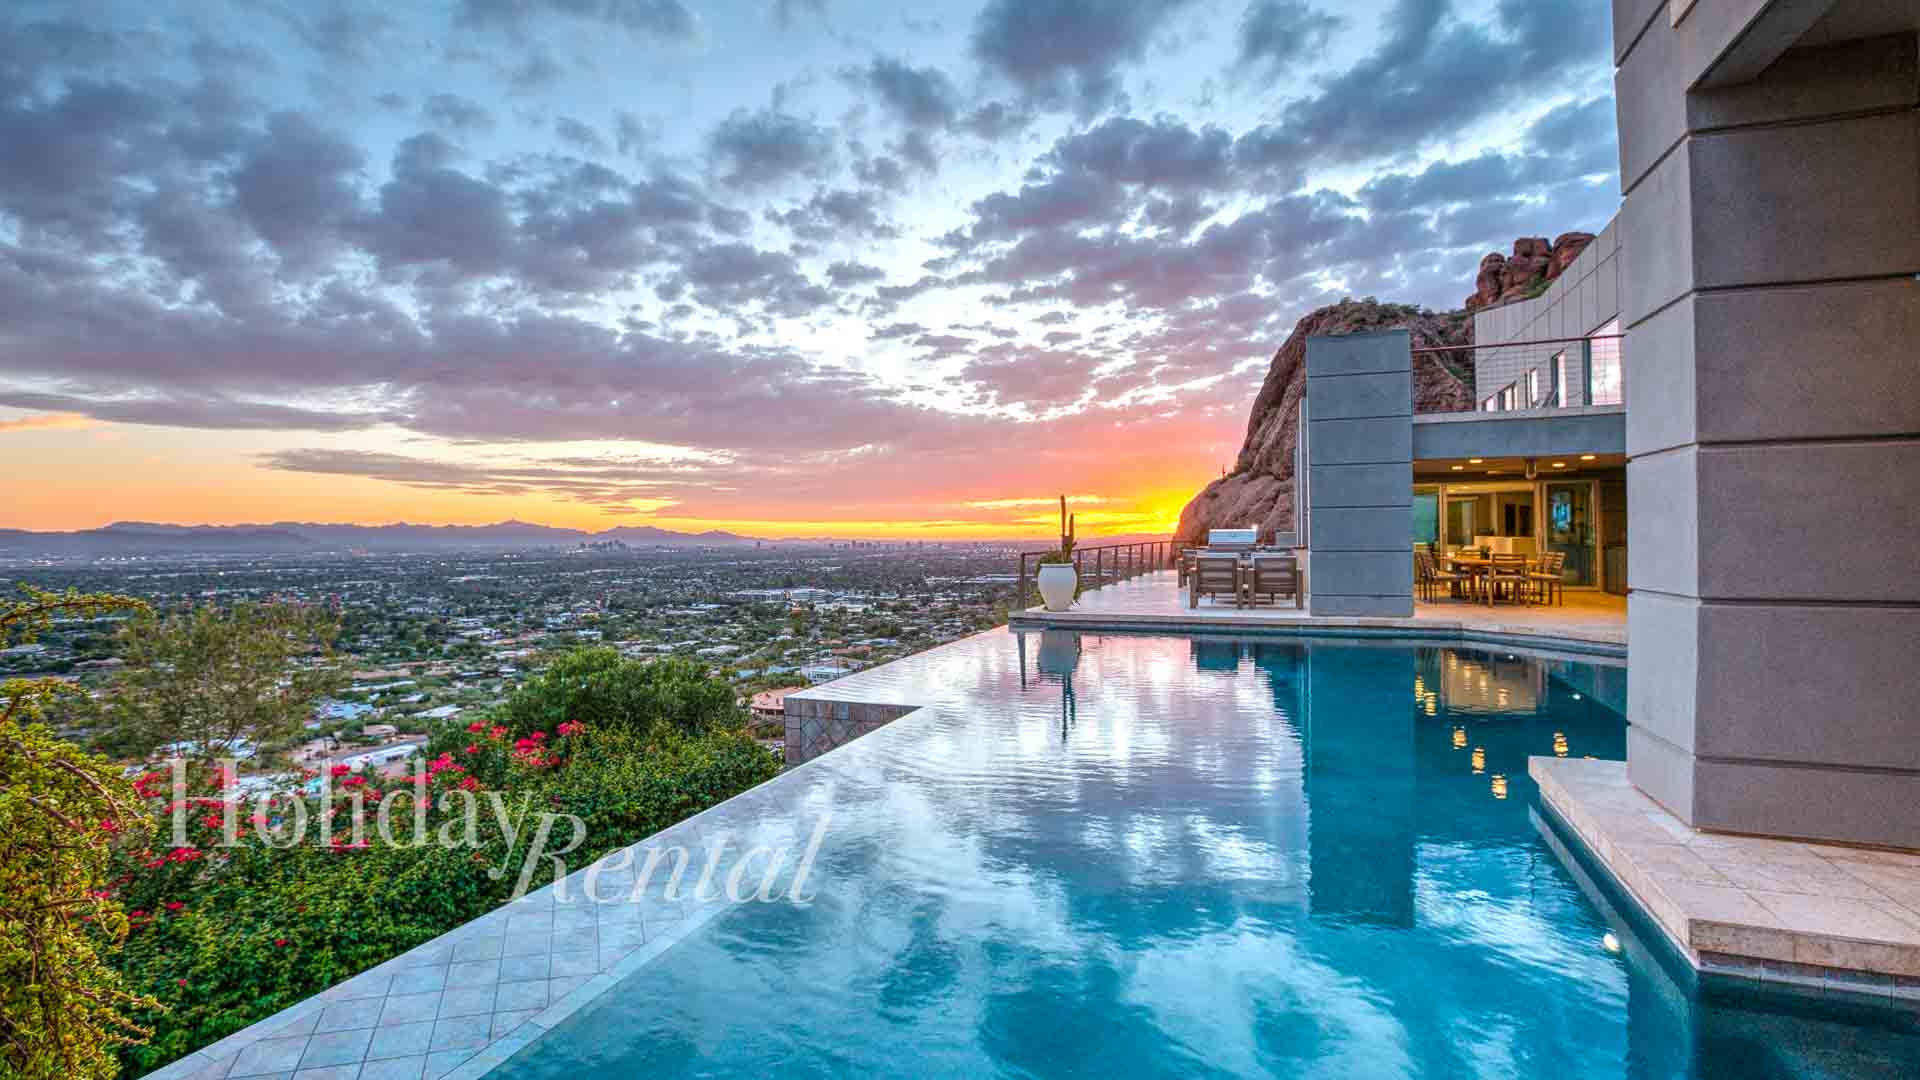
(1111,855)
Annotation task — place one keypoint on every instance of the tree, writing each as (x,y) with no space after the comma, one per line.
(62,1009)
(607,691)
(215,681)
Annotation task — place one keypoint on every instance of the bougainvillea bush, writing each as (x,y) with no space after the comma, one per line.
(231,922)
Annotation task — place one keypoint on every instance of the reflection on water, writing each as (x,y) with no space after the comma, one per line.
(1118,855)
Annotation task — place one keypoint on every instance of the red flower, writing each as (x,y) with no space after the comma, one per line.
(476,727)
(497,732)
(341,770)
(280,942)
(180,982)
(472,748)
(570,728)
(175,905)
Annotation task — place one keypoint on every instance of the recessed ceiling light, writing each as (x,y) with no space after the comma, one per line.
(1588,457)
(1559,464)
(1475,460)
(1457,468)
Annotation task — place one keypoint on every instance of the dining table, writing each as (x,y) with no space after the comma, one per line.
(1482,566)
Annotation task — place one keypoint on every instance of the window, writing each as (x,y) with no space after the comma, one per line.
(1565,385)
(1603,364)
(1533,388)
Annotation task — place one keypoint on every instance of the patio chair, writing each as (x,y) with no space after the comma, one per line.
(1430,577)
(1274,576)
(1549,582)
(1186,563)
(1214,575)
(1508,574)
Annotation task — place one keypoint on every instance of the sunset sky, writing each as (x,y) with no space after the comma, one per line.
(786,267)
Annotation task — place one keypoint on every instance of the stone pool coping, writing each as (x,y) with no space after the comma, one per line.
(1815,916)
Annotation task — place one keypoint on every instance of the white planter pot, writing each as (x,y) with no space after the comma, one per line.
(1057,585)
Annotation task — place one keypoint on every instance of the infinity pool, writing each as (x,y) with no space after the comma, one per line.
(1109,855)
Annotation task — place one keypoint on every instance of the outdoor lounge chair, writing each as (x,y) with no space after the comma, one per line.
(1214,575)
(1274,576)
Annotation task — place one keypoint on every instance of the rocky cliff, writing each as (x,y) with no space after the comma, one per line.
(1523,274)
(1258,491)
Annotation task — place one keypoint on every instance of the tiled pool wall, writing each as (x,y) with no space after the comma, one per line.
(817,725)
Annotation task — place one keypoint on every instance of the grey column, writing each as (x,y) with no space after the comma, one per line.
(1771,232)
(1360,484)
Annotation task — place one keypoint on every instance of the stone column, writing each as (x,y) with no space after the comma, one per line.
(1771,232)
(1360,474)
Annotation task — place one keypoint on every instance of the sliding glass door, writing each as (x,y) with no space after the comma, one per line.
(1570,529)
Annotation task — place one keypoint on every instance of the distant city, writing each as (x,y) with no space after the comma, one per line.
(431,633)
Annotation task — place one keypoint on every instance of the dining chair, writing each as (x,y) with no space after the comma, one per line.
(1549,580)
(1428,569)
(1508,572)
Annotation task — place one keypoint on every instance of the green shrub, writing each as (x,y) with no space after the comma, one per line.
(257,928)
(63,1010)
(608,692)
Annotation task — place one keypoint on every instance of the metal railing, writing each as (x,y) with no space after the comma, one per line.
(1548,373)
(1104,564)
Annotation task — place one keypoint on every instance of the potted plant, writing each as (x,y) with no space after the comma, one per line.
(1059,582)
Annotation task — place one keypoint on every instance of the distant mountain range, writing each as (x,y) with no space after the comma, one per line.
(144,538)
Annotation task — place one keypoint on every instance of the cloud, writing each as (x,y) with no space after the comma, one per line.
(455,113)
(836,215)
(580,135)
(786,11)
(1433,73)
(47,422)
(847,273)
(920,97)
(1067,54)
(667,20)
(767,147)
(1275,35)
(298,186)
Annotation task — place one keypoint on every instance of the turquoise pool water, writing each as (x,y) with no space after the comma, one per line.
(1109,855)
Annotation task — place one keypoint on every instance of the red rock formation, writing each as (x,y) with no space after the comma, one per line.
(1259,490)
(1534,262)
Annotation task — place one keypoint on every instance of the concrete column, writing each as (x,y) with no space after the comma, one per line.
(1771,232)
(1360,483)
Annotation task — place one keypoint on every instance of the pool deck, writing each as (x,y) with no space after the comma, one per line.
(1592,621)
(1819,916)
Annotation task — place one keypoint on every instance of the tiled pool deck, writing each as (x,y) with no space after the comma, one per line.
(1589,620)
(1820,916)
